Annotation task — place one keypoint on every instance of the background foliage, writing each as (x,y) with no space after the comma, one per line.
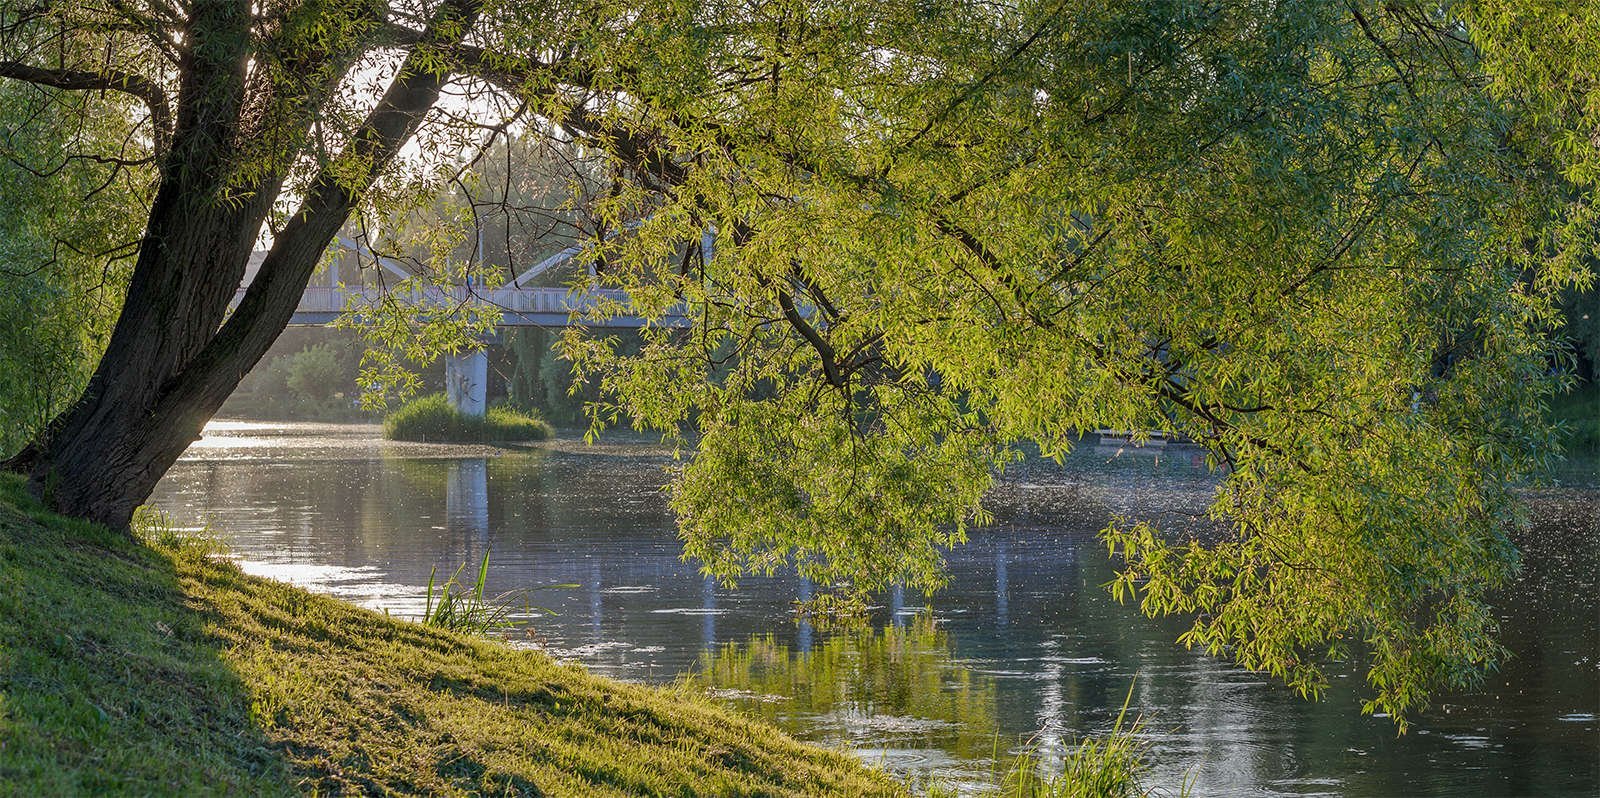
(62,271)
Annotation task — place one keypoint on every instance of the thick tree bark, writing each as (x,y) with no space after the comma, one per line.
(172,361)
(191,258)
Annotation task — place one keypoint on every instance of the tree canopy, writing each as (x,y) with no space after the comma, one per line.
(1323,239)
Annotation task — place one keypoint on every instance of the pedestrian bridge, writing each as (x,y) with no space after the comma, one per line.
(520,302)
(518,306)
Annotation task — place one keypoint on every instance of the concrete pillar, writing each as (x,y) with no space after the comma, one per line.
(466,382)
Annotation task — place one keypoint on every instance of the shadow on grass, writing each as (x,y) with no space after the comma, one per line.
(109,683)
(160,670)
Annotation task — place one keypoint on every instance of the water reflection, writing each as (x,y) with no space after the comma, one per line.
(466,499)
(1023,644)
(896,694)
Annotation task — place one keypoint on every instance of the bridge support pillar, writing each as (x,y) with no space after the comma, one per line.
(466,382)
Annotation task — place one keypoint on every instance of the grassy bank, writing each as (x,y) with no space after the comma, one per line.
(161,670)
(431,419)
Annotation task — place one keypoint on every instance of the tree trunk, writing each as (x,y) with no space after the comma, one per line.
(104,455)
(172,361)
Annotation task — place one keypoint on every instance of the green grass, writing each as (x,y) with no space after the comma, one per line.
(160,669)
(431,419)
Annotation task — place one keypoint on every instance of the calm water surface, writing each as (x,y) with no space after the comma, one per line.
(1024,645)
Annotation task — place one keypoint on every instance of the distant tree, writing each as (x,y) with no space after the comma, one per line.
(315,374)
(1581,314)
(1322,239)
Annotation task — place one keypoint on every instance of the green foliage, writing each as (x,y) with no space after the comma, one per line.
(1579,413)
(1324,240)
(265,392)
(1580,314)
(162,670)
(314,373)
(1544,56)
(431,419)
(540,380)
(402,333)
(65,227)
(537,379)
(784,481)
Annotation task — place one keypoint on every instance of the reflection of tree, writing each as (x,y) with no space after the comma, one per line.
(425,476)
(898,683)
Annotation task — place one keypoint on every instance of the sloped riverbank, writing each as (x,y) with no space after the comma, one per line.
(161,669)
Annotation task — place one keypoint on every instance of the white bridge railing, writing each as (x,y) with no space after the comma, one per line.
(518,306)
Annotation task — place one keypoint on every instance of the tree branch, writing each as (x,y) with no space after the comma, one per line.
(270,301)
(137,86)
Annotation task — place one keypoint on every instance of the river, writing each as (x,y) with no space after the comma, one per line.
(1024,646)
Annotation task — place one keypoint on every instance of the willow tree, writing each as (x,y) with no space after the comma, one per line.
(59,296)
(1319,238)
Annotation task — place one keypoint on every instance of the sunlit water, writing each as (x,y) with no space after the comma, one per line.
(1023,646)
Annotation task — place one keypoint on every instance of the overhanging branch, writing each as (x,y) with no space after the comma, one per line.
(134,85)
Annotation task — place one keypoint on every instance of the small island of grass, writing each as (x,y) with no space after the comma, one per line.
(431,419)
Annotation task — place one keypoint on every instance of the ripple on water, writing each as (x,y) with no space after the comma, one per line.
(370,513)
(308,574)
(735,694)
(870,726)
(589,650)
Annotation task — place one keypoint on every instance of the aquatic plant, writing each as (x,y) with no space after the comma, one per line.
(155,527)
(1108,766)
(1098,767)
(459,607)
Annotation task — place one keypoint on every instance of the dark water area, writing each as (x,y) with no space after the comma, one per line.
(1023,646)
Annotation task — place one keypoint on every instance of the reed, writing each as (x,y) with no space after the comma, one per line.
(1110,766)
(460,607)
